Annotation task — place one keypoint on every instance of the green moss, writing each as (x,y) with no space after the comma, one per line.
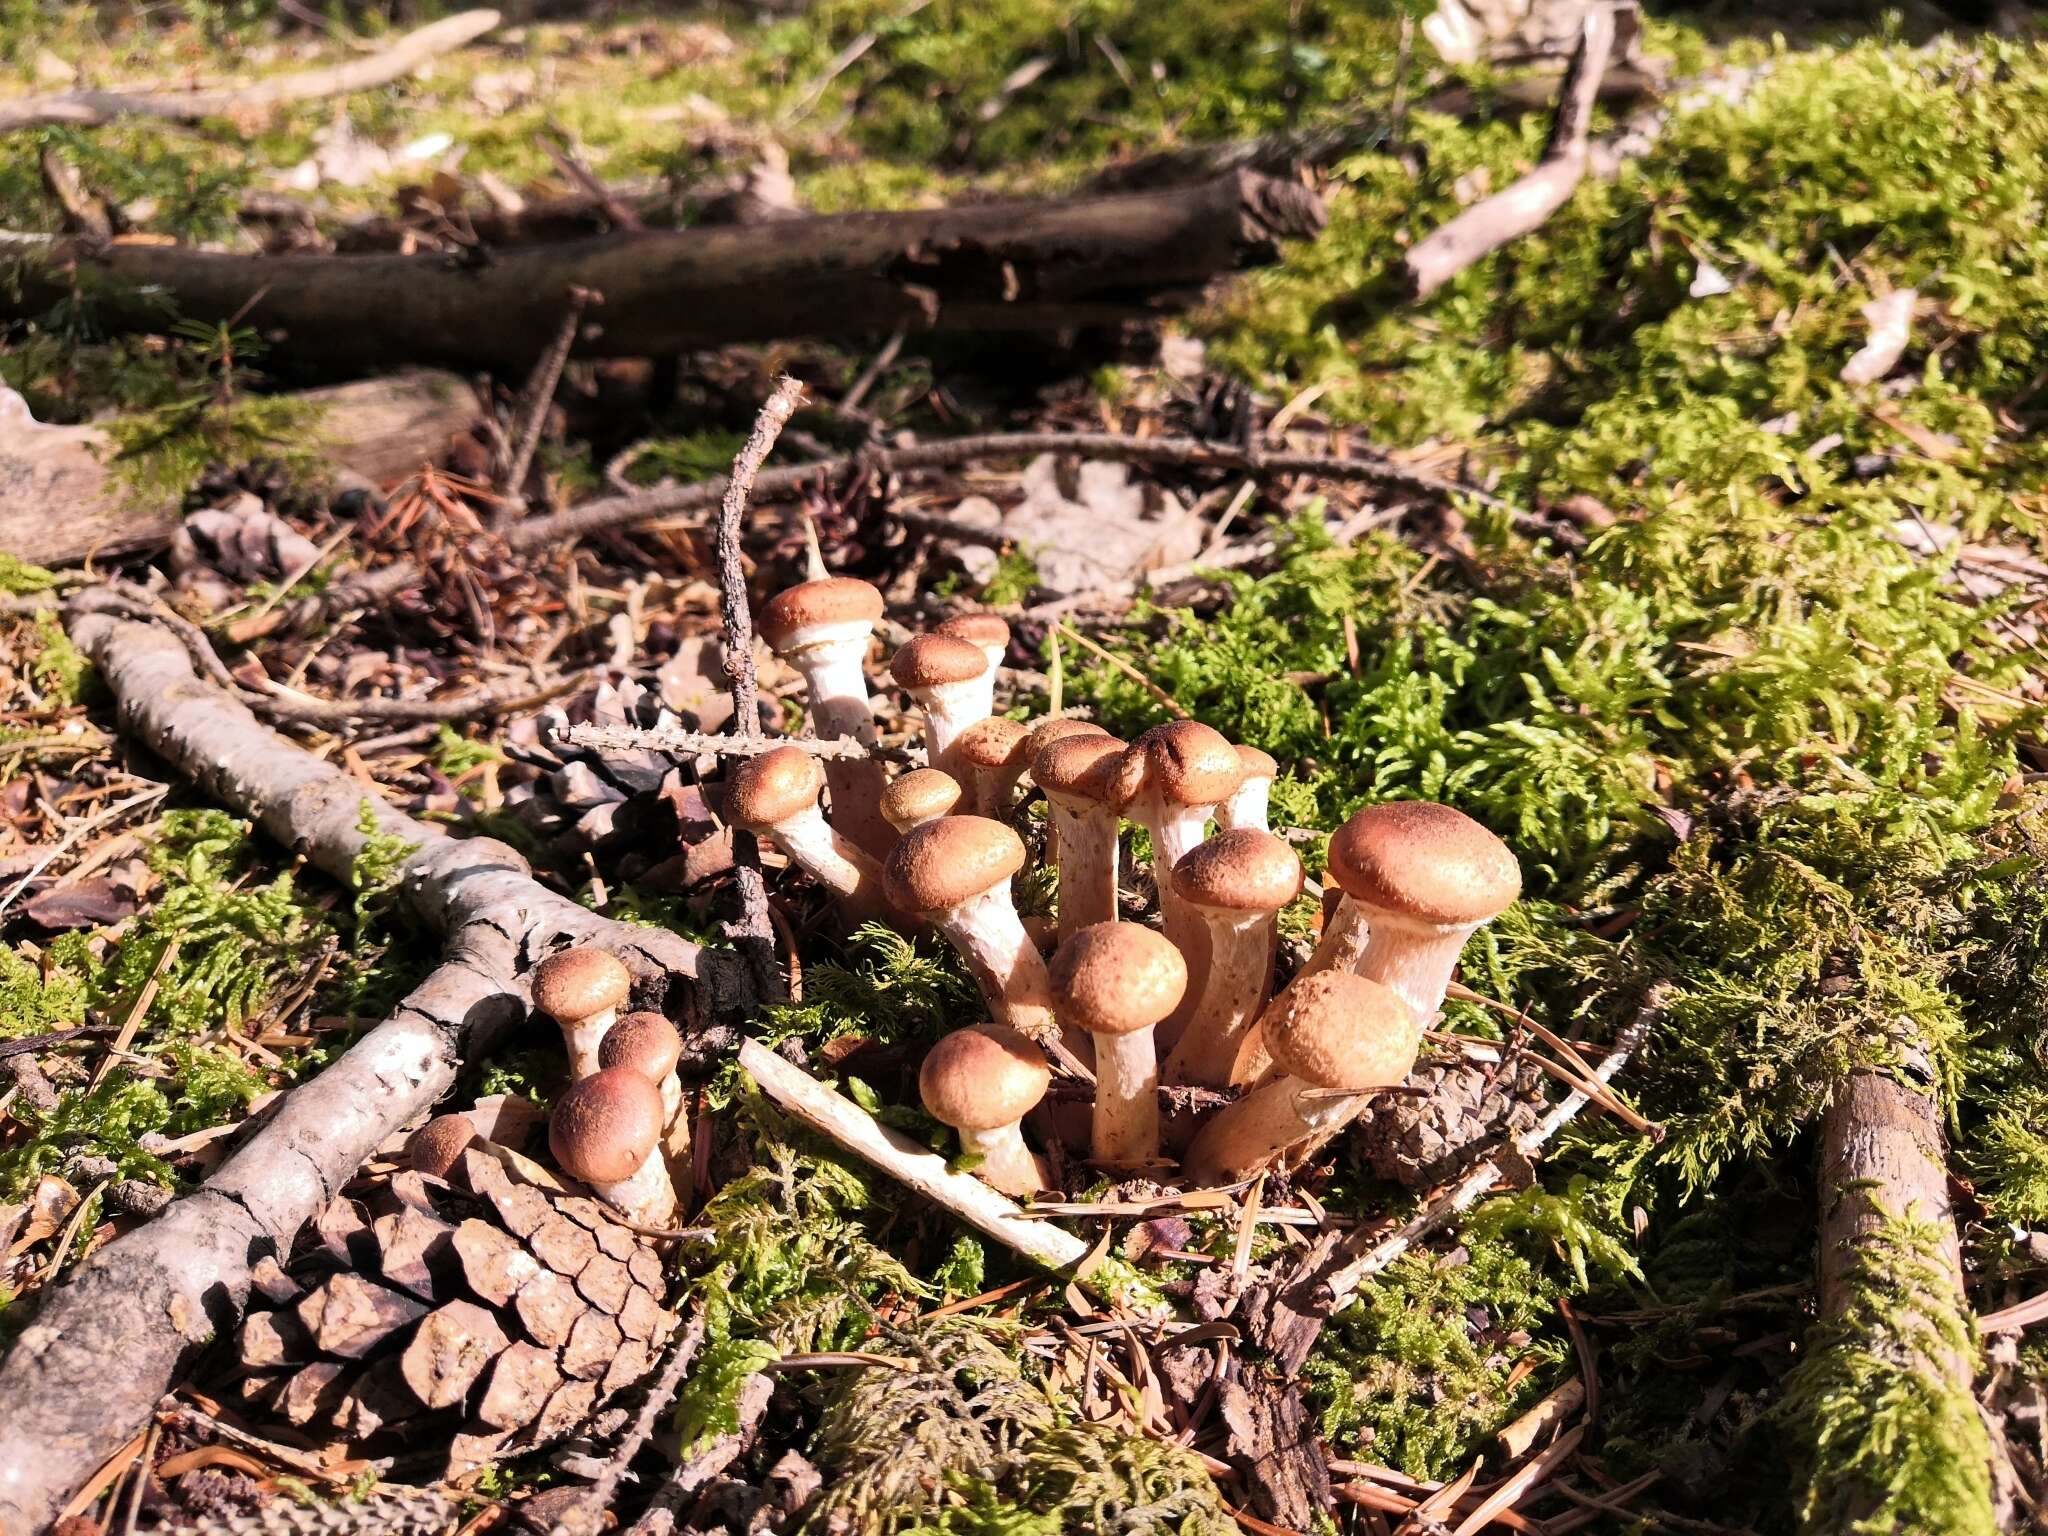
(161,454)
(60,669)
(17,576)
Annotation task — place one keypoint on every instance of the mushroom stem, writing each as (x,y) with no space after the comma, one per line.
(950,708)
(583,1037)
(841,706)
(1414,960)
(646,1195)
(1343,943)
(1248,806)
(1219,1048)
(1087,863)
(837,863)
(991,938)
(1126,1124)
(1006,1162)
(1243,1137)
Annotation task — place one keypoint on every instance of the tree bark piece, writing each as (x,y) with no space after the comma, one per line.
(94,109)
(85,1375)
(1516,210)
(981,266)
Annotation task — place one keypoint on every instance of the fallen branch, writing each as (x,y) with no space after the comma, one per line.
(371,589)
(1515,211)
(919,1169)
(1044,265)
(95,109)
(681,743)
(86,1374)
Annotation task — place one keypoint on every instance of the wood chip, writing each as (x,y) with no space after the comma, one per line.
(416,1252)
(493,1266)
(274,1338)
(521,1381)
(563,1247)
(605,1283)
(449,1352)
(593,1341)
(350,1316)
(312,1392)
(548,1309)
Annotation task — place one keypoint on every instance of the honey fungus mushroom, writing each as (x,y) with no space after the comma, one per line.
(822,629)
(990,631)
(606,1131)
(983,1082)
(1236,883)
(1077,774)
(647,1043)
(1117,981)
(776,795)
(952,683)
(990,756)
(581,989)
(922,795)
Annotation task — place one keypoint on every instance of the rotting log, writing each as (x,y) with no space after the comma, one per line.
(86,1374)
(981,266)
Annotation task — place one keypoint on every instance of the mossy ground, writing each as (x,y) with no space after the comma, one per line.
(1748,742)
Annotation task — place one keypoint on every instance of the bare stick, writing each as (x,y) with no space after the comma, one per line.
(1517,210)
(540,394)
(95,109)
(753,934)
(919,1169)
(681,743)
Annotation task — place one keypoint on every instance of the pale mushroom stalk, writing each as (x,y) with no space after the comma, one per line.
(1250,803)
(992,939)
(1076,773)
(1242,1137)
(1126,1126)
(1236,884)
(581,989)
(777,794)
(1417,960)
(1117,981)
(1006,1161)
(647,1195)
(1343,941)
(835,862)
(822,629)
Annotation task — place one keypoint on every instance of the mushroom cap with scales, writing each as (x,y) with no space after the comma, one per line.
(932,661)
(767,790)
(997,742)
(1081,767)
(979,629)
(1424,862)
(1244,870)
(921,795)
(646,1043)
(1257,764)
(1336,1030)
(949,861)
(1117,978)
(811,605)
(436,1148)
(1059,728)
(1184,761)
(604,1125)
(579,982)
(983,1078)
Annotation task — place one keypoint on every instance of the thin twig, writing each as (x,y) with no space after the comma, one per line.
(753,934)
(857,391)
(540,395)
(681,743)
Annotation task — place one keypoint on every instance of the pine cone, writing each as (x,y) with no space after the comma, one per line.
(1423,1139)
(425,1513)
(489,1317)
(587,801)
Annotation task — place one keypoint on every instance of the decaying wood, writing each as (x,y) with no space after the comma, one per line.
(87,1372)
(917,1168)
(92,109)
(981,266)
(1516,210)
(1272,1442)
(63,498)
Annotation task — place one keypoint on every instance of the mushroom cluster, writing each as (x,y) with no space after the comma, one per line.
(1164,975)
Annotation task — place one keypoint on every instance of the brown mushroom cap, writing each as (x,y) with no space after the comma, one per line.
(436,1147)
(642,1042)
(1424,861)
(835,600)
(1115,978)
(1337,1030)
(981,1078)
(951,860)
(997,742)
(1078,767)
(1059,728)
(604,1125)
(918,796)
(984,629)
(1244,870)
(767,790)
(579,982)
(1188,762)
(931,661)
(1257,764)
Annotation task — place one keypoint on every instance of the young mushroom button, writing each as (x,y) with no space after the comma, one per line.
(1236,883)
(1419,878)
(987,630)
(1335,1038)
(581,989)
(436,1148)
(648,1044)
(982,1082)
(822,629)
(952,683)
(1117,981)
(990,756)
(776,794)
(1249,802)
(606,1131)
(922,795)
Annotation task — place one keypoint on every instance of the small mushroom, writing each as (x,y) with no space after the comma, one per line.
(982,1082)
(1248,803)
(1043,735)
(1236,883)
(989,755)
(648,1044)
(955,873)
(436,1148)
(1117,981)
(776,795)
(990,631)
(822,628)
(953,684)
(921,795)
(582,989)
(1077,774)
(606,1131)
(1335,1039)
(1418,880)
